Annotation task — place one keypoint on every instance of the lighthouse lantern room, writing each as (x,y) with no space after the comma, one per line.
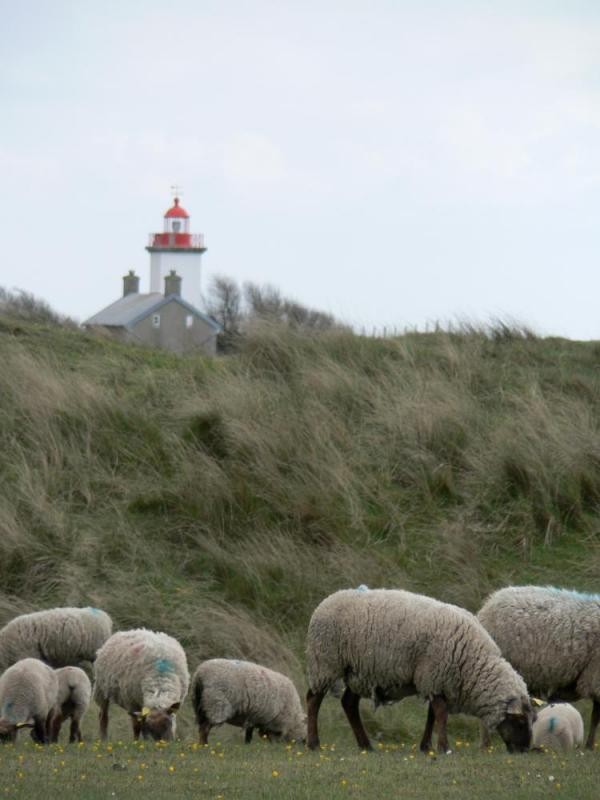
(179,250)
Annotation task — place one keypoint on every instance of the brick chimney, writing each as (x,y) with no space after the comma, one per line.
(172,284)
(131,283)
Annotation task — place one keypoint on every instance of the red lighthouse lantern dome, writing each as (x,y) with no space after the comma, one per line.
(177,221)
(176,210)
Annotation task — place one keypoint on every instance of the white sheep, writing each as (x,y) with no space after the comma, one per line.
(388,644)
(558,726)
(552,637)
(74,693)
(246,695)
(145,673)
(59,637)
(28,696)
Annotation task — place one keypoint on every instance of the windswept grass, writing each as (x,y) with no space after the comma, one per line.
(222,500)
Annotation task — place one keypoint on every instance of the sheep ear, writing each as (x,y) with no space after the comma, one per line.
(174,708)
(535,701)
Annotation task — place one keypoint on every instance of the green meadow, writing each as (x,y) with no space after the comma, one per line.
(226,770)
(221,500)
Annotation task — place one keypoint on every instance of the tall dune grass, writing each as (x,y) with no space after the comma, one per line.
(221,500)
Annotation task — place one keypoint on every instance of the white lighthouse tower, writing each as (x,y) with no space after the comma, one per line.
(179,250)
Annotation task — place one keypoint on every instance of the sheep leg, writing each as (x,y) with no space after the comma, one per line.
(203,731)
(593,725)
(75,731)
(313,704)
(425,745)
(350,703)
(103,717)
(248,734)
(39,732)
(54,725)
(440,710)
(136,725)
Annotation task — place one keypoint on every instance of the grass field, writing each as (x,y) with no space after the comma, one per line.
(225,770)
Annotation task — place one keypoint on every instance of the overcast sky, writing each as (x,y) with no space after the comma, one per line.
(395,162)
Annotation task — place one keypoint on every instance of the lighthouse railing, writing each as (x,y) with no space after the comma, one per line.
(192,240)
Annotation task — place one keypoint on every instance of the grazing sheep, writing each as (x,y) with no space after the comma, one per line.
(59,637)
(74,693)
(558,726)
(28,694)
(145,673)
(552,637)
(388,644)
(246,695)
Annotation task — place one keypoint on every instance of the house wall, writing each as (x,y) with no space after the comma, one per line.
(172,334)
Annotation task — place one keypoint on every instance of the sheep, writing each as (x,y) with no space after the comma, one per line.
(59,637)
(28,696)
(552,637)
(247,695)
(74,693)
(146,673)
(558,726)
(388,644)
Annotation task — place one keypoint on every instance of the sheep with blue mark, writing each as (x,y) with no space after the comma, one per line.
(59,637)
(249,696)
(146,673)
(389,644)
(551,636)
(28,698)
(74,694)
(559,726)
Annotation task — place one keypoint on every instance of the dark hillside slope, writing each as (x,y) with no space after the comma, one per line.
(222,500)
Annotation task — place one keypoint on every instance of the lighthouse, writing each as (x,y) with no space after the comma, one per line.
(177,250)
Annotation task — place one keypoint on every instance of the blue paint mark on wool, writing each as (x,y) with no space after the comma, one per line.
(551,724)
(363,588)
(576,595)
(163,665)
(93,610)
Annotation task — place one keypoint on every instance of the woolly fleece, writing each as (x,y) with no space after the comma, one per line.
(141,668)
(58,636)
(388,644)
(551,636)
(28,691)
(224,689)
(558,726)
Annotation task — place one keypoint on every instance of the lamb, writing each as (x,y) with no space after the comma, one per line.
(74,693)
(59,637)
(247,695)
(552,637)
(388,644)
(558,726)
(146,673)
(28,696)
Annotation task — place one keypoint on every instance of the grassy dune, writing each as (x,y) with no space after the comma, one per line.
(222,500)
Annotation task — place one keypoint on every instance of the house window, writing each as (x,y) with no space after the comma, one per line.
(189,321)
(156,320)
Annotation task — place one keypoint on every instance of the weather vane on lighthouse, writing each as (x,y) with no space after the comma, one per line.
(176,191)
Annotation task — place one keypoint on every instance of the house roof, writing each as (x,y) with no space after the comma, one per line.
(126,311)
